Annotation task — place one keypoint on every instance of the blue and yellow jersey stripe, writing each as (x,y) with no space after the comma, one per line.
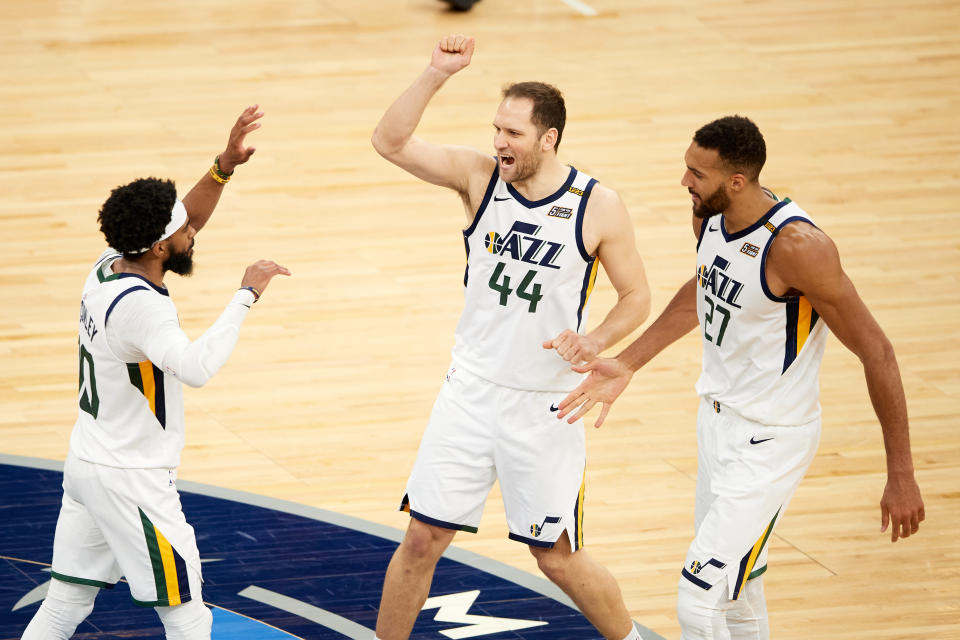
(750,559)
(148,378)
(169,568)
(801,319)
(578,515)
(589,279)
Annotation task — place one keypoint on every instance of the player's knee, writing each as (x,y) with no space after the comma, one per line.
(189,621)
(701,612)
(553,563)
(425,542)
(62,610)
(747,617)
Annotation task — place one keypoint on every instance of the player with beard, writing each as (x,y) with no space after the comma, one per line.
(121,514)
(768,285)
(536,231)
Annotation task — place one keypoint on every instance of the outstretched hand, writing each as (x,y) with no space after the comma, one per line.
(236,153)
(607,380)
(259,274)
(452,53)
(901,505)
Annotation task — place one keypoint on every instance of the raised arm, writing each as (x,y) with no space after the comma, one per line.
(459,168)
(202,199)
(804,259)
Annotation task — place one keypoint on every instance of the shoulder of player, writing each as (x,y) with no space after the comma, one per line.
(605,204)
(135,295)
(804,257)
(468,160)
(800,240)
(606,212)
(478,169)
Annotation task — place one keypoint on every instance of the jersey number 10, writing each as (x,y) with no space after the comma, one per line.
(89,400)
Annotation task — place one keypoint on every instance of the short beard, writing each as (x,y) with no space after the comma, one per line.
(179,263)
(716,202)
(526,169)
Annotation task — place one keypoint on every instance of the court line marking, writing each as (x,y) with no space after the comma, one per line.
(308,611)
(534,583)
(582,7)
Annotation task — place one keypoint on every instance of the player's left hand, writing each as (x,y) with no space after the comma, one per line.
(236,153)
(901,505)
(573,347)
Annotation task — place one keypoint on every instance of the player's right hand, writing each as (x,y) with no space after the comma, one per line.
(607,380)
(259,274)
(237,152)
(452,53)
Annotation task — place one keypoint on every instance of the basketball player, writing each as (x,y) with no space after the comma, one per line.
(121,512)
(767,287)
(535,231)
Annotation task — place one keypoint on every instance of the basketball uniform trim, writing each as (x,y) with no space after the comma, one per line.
(99,267)
(750,558)
(106,256)
(443,524)
(801,319)
(756,573)
(148,379)
(580,212)
(756,225)
(161,290)
(589,279)
(539,203)
(116,276)
(578,515)
(483,204)
(120,297)
(703,230)
(476,220)
(766,250)
(531,541)
(90,583)
(169,568)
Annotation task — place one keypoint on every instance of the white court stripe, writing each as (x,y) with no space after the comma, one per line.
(582,7)
(306,610)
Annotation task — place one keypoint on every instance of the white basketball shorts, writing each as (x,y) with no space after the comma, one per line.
(747,472)
(126,522)
(479,431)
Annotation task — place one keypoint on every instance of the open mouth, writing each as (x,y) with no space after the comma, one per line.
(507,161)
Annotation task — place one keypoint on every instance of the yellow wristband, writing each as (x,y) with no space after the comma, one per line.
(216,176)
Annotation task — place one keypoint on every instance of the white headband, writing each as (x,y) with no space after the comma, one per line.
(177,218)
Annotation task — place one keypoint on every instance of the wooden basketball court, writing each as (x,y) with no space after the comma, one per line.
(326,396)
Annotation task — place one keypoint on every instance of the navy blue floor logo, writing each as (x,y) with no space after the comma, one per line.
(275,570)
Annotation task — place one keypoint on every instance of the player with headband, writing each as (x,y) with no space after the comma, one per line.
(121,513)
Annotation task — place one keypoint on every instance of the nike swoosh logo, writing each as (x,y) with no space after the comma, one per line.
(713,228)
(755,441)
(496,199)
(554,408)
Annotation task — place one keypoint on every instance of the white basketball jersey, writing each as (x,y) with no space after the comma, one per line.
(761,352)
(528,278)
(131,413)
